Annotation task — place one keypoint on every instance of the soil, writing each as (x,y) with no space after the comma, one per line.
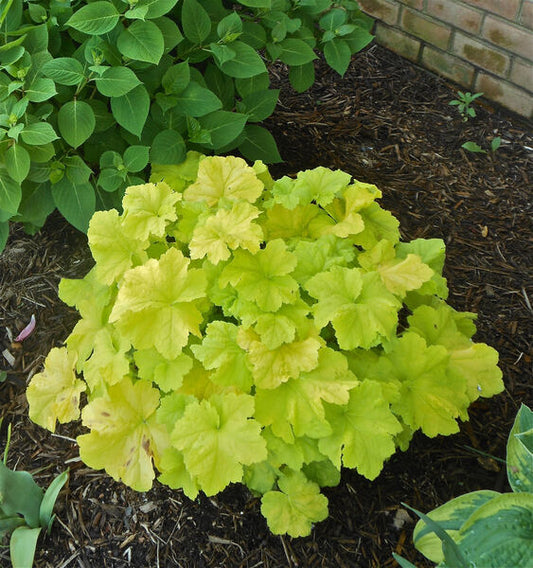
(386,122)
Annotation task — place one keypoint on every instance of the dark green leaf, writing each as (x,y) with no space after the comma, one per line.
(116,81)
(197,101)
(38,133)
(338,55)
(302,77)
(10,196)
(260,104)
(20,495)
(171,33)
(41,90)
(64,70)
(358,39)
(168,148)
(247,62)
(131,110)
(196,21)
(110,179)
(136,158)
(176,78)
(259,144)
(97,18)
(76,169)
(223,126)
(17,161)
(76,122)
(4,234)
(156,8)
(36,204)
(76,202)
(222,53)
(142,41)
(257,3)
(230,25)
(253,84)
(332,19)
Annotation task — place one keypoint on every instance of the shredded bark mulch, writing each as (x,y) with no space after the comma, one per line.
(386,122)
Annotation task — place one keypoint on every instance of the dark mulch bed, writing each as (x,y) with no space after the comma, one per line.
(386,122)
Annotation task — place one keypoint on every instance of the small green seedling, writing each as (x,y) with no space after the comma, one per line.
(25,510)
(463,103)
(477,149)
(485,528)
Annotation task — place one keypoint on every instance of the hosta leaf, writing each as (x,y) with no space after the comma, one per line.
(142,41)
(54,393)
(125,436)
(217,437)
(97,18)
(295,507)
(155,304)
(520,452)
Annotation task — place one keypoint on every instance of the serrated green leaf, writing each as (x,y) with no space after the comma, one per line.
(338,55)
(229,25)
(38,134)
(295,52)
(76,122)
(136,158)
(76,202)
(168,147)
(10,196)
(17,161)
(246,63)
(116,81)
(64,70)
(41,90)
(97,18)
(131,110)
(259,144)
(223,126)
(260,105)
(196,21)
(302,77)
(156,8)
(196,100)
(176,78)
(142,41)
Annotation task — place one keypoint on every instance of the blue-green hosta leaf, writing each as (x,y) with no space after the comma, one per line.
(97,18)
(520,452)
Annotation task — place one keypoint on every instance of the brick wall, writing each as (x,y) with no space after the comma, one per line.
(484,45)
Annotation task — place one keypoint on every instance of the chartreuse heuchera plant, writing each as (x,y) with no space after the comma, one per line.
(237,329)
(486,528)
(93,91)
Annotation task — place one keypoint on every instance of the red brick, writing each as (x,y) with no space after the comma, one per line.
(506,8)
(381,9)
(428,29)
(397,41)
(448,66)
(481,54)
(505,94)
(458,15)
(526,17)
(522,74)
(510,37)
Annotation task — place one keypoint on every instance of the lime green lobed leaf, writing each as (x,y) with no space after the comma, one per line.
(54,393)
(217,437)
(295,507)
(231,178)
(155,305)
(263,277)
(113,250)
(148,209)
(362,431)
(125,436)
(225,231)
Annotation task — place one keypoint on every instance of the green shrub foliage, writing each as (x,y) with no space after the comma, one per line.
(240,329)
(90,92)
